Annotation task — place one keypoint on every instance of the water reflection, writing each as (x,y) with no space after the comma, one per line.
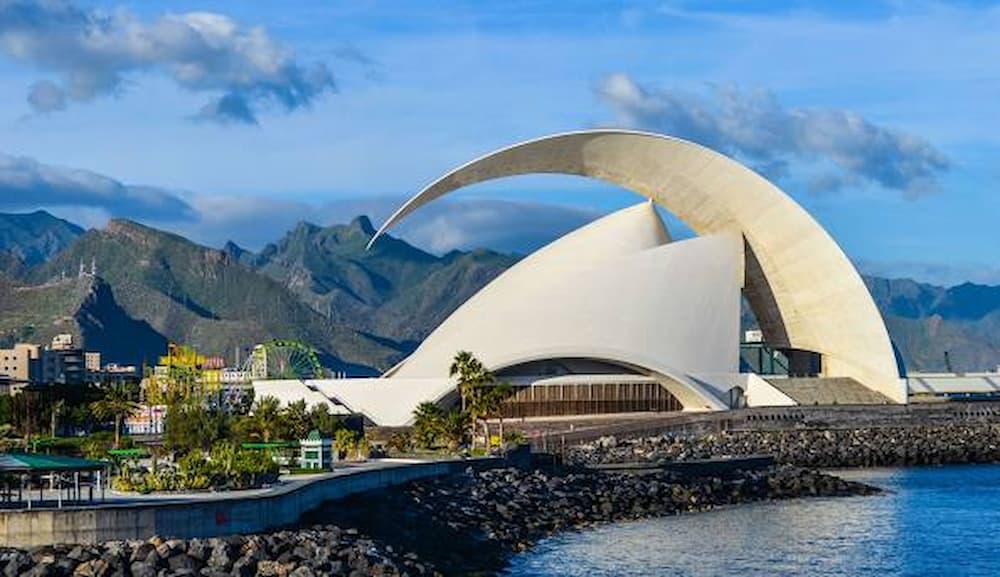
(932,521)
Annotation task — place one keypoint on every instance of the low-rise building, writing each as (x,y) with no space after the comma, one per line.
(20,363)
(148,420)
(92,361)
(316,452)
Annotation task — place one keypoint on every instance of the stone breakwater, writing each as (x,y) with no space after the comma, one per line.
(825,448)
(473,523)
(464,524)
(322,550)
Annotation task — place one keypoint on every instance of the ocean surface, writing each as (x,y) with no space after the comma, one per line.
(931,521)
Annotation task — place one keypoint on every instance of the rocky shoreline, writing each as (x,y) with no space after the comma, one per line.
(305,552)
(465,524)
(471,524)
(813,448)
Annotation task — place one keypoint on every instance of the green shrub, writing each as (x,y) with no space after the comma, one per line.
(194,472)
(97,445)
(400,442)
(345,441)
(514,438)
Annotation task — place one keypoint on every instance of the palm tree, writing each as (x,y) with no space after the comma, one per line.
(428,424)
(116,404)
(455,427)
(498,394)
(489,404)
(470,374)
(267,418)
(297,419)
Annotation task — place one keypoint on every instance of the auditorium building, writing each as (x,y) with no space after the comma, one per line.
(617,316)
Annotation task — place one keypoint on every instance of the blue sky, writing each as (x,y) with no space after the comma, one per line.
(233,120)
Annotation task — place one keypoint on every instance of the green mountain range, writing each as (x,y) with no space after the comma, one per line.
(925,321)
(394,290)
(201,296)
(33,238)
(129,289)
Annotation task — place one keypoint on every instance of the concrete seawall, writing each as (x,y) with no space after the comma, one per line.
(205,517)
(556,436)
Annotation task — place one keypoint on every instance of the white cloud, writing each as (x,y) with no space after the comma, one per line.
(26,183)
(92,53)
(839,147)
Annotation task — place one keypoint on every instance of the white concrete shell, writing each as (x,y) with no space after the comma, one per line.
(614,290)
(805,292)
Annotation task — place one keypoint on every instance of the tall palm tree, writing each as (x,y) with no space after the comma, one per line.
(116,404)
(470,374)
(499,393)
(489,404)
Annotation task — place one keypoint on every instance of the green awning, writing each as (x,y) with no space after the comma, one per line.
(271,445)
(36,463)
(128,452)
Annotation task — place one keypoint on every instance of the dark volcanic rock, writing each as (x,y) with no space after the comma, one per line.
(817,448)
(472,523)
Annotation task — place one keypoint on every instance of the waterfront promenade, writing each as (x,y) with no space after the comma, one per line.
(189,515)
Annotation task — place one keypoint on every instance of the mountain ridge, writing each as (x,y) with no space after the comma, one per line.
(35,237)
(364,309)
(202,296)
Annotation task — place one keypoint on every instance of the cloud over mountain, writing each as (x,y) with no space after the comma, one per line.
(842,147)
(439,227)
(93,53)
(26,183)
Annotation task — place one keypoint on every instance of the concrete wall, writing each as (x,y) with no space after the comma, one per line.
(227,515)
(761,393)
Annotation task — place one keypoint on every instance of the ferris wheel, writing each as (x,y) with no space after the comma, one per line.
(283,359)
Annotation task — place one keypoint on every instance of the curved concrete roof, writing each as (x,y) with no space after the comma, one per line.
(805,292)
(615,290)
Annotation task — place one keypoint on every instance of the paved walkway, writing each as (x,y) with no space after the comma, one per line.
(285,484)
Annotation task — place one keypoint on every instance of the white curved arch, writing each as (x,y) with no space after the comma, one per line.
(804,290)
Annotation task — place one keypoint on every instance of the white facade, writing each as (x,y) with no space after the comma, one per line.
(615,290)
(288,391)
(619,292)
(805,292)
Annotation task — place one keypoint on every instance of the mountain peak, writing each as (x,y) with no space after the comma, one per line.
(127,228)
(305,226)
(233,248)
(364,224)
(37,236)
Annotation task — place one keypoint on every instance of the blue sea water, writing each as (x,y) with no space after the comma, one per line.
(930,521)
